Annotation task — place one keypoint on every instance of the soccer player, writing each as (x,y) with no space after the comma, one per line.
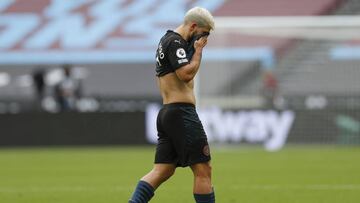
(182,141)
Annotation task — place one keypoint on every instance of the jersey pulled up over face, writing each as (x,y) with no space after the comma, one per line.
(171,53)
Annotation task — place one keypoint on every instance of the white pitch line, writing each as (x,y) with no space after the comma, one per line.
(299,187)
(61,189)
(37,189)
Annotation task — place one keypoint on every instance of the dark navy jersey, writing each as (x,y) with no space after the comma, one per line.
(171,53)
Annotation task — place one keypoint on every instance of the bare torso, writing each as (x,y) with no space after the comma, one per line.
(174,90)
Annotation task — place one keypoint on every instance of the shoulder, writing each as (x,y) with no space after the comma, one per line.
(173,39)
(178,41)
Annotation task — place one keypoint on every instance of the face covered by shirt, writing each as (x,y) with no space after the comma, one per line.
(191,49)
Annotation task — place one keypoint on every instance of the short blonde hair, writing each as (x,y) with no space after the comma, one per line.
(201,17)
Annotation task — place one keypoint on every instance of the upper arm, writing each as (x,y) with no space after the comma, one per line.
(179,59)
(177,54)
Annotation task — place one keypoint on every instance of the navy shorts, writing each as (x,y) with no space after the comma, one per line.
(181,137)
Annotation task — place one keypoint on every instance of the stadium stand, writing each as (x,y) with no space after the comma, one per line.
(306,67)
(249,80)
(298,70)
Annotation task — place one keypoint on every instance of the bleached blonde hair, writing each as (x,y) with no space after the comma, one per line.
(201,16)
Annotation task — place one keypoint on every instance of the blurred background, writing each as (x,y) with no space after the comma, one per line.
(274,72)
(79,100)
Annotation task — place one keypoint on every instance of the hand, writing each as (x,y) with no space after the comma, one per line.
(200,43)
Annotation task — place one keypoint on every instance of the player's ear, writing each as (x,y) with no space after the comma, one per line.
(193,26)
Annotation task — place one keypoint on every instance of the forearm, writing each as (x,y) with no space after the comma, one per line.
(195,63)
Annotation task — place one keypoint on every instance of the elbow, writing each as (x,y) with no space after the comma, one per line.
(186,73)
(186,78)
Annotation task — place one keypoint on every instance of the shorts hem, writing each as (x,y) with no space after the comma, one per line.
(164,162)
(198,162)
(184,164)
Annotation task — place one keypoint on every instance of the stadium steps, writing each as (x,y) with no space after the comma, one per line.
(349,7)
(306,67)
(302,55)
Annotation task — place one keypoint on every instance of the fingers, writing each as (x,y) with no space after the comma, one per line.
(205,41)
(201,42)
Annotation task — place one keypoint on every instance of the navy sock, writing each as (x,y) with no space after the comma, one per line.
(143,193)
(205,198)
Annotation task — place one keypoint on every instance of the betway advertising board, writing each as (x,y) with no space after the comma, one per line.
(87,31)
(267,127)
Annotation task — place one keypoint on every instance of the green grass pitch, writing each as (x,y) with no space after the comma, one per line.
(296,174)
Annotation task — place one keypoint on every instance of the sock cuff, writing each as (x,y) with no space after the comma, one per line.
(148,188)
(146,184)
(205,198)
(143,193)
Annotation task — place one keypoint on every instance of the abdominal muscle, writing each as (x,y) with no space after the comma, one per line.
(174,90)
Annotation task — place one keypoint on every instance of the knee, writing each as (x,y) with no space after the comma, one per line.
(207,172)
(203,172)
(163,174)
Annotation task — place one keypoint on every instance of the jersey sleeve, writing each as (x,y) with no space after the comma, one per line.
(177,54)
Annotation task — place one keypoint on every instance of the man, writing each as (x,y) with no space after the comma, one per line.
(39,84)
(182,141)
(68,90)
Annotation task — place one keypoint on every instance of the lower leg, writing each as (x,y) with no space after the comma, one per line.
(143,193)
(150,182)
(203,191)
(202,185)
(155,178)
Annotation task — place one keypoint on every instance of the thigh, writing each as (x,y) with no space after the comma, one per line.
(198,150)
(175,129)
(188,136)
(165,151)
